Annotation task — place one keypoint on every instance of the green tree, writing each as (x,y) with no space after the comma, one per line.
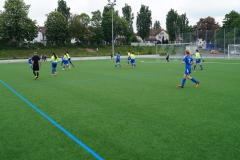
(75,27)
(63,9)
(172,24)
(107,23)
(183,23)
(144,21)
(56,28)
(229,19)
(15,24)
(157,25)
(84,20)
(95,27)
(128,16)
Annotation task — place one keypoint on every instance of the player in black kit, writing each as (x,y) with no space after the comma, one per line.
(36,64)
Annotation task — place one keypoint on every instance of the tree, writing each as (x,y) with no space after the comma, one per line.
(63,9)
(172,24)
(75,27)
(107,23)
(56,28)
(118,24)
(84,20)
(128,16)
(204,28)
(144,21)
(229,20)
(157,25)
(15,24)
(95,27)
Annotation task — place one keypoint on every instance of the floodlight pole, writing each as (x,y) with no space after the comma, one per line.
(112,4)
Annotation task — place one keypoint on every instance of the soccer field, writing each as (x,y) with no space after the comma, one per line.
(96,111)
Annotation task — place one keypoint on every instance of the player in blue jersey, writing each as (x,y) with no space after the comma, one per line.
(188,61)
(30,61)
(118,58)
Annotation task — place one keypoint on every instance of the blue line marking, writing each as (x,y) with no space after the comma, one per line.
(55,123)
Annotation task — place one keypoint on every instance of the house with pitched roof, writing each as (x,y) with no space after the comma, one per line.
(41,37)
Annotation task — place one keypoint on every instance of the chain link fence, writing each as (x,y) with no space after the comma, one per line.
(214,43)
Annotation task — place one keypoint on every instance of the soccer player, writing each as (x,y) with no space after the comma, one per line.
(198,60)
(167,56)
(133,59)
(65,61)
(36,64)
(118,60)
(69,58)
(30,61)
(129,58)
(54,60)
(187,60)
(62,58)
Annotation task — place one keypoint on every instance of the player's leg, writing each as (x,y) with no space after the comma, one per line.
(69,59)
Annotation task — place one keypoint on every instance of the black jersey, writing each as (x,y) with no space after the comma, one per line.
(35,59)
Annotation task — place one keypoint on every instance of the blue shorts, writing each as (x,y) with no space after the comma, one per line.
(69,59)
(132,60)
(198,60)
(187,71)
(129,58)
(54,64)
(65,62)
(117,60)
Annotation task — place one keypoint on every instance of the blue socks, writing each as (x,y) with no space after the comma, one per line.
(194,80)
(183,81)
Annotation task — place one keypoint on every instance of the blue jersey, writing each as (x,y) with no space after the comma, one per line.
(117,57)
(62,58)
(188,61)
(30,60)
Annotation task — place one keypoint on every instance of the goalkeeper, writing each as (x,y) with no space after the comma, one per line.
(198,60)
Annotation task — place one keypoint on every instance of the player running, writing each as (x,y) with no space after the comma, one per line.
(69,59)
(54,60)
(133,60)
(198,60)
(118,58)
(65,61)
(187,60)
(30,61)
(129,58)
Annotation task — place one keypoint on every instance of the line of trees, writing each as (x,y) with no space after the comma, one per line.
(62,26)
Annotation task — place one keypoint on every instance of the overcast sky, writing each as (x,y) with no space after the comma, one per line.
(194,9)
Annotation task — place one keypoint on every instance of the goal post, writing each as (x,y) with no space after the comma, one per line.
(233,51)
(175,51)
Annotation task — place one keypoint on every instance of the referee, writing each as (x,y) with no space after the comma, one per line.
(36,64)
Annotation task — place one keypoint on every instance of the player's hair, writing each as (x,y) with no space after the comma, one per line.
(188,52)
(197,50)
(54,55)
(66,51)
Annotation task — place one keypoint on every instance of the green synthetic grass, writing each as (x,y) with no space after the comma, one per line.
(122,113)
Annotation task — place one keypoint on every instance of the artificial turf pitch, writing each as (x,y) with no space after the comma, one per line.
(121,113)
